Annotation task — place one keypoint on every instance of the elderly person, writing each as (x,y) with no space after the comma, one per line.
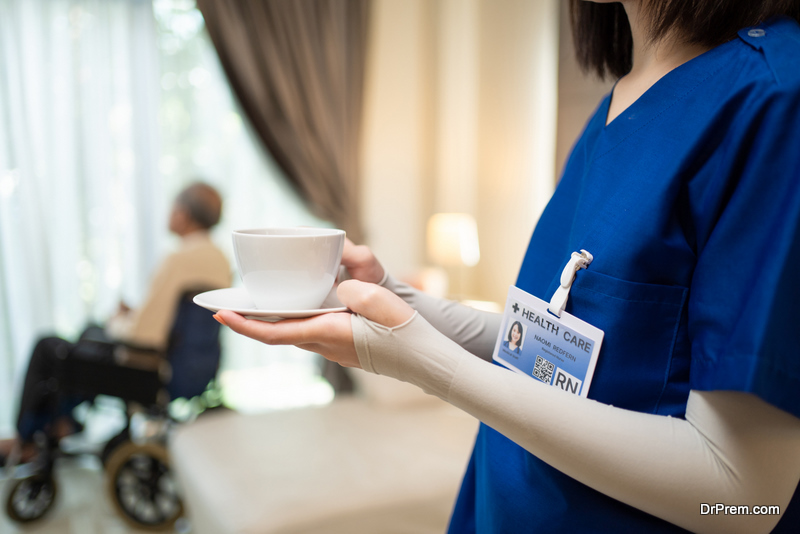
(197,263)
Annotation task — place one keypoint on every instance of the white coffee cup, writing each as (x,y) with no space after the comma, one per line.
(288,268)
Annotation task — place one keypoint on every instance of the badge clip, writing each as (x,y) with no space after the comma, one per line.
(576,262)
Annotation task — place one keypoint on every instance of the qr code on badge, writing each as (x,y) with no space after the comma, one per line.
(543,369)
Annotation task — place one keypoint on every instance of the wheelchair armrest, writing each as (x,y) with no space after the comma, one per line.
(138,357)
(139,348)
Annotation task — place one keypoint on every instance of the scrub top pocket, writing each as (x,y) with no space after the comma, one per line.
(644,360)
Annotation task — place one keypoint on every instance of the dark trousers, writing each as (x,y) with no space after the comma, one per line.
(43,398)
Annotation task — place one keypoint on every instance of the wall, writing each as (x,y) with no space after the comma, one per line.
(461,114)
(397,132)
(517,117)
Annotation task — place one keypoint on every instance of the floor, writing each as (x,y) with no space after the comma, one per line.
(82,504)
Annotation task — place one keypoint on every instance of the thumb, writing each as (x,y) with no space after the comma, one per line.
(374,302)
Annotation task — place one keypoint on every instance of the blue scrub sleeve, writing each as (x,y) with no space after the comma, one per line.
(745,293)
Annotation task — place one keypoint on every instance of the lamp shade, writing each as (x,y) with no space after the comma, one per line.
(453,239)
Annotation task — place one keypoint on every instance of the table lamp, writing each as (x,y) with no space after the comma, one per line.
(453,243)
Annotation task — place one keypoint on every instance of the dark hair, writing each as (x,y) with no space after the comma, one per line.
(519,327)
(602,35)
(202,202)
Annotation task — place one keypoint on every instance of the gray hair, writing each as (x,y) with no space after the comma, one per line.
(202,202)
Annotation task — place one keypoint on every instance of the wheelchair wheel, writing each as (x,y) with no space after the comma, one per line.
(31,498)
(141,486)
(113,443)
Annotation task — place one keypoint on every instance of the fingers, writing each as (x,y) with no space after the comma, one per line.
(361,262)
(348,246)
(355,255)
(286,332)
(374,302)
(351,253)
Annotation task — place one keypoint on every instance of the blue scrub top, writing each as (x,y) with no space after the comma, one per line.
(690,203)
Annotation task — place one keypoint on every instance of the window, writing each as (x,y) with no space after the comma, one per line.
(107,108)
(205,134)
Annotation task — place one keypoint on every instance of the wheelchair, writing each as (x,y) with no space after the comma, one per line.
(136,462)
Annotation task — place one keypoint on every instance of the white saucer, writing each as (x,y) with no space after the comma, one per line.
(236,299)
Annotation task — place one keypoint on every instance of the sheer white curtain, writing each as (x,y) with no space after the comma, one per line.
(78,155)
(107,108)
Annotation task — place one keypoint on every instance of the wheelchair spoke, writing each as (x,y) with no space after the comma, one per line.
(32,497)
(146,490)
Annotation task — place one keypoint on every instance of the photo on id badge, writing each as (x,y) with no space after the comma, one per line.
(514,340)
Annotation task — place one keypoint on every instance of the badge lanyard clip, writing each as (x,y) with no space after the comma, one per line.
(576,262)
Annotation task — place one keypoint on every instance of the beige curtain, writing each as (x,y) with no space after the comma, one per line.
(297,67)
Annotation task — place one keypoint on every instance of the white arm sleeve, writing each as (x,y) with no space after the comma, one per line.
(732,448)
(475,330)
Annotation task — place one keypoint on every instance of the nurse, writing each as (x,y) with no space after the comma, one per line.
(514,339)
(685,188)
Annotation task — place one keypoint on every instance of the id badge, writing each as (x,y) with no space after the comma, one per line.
(559,351)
